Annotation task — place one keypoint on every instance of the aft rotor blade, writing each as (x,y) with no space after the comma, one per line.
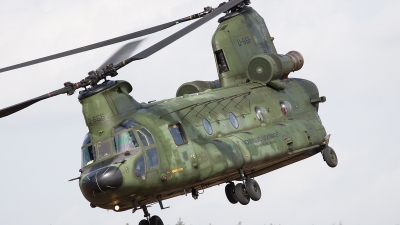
(160,45)
(122,53)
(94,46)
(15,108)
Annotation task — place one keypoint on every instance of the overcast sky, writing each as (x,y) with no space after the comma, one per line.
(351,50)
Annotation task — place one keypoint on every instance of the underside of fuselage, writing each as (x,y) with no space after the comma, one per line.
(223,178)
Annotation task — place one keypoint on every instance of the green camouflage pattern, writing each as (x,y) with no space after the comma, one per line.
(265,138)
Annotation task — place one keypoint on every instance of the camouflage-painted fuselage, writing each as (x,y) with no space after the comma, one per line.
(254,120)
(205,160)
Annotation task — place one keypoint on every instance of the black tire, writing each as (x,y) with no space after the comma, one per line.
(241,194)
(330,157)
(253,189)
(155,220)
(230,193)
(144,222)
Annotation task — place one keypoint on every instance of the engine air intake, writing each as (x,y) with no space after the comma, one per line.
(267,67)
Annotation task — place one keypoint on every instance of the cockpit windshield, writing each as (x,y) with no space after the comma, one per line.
(88,151)
(125,141)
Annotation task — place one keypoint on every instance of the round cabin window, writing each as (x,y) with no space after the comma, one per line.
(207,126)
(259,113)
(286,108)
(233,120)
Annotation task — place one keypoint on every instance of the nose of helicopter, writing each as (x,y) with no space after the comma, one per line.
(102,181)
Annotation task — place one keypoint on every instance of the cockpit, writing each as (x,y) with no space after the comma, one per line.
(128,139)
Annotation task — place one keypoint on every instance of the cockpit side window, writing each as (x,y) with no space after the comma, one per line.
(104,148)
(145,137)
(88,152)
(125,141)
(152,157)
(86,140)
(140,168)
(88,155)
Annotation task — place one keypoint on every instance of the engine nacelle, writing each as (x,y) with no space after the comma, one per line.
(240,36)
(196,87)
(267,67)
(244,49)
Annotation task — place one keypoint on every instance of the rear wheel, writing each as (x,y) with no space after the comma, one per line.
(253,189)
(330,157)
(241,194)
(155,220)
(230,193)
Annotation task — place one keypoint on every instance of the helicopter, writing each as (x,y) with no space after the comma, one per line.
(251,121)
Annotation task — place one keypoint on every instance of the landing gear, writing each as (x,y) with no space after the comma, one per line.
(243,192)
(330,157)
(154,220)
(195,193)
(253,189)
(230,193)
(144,222)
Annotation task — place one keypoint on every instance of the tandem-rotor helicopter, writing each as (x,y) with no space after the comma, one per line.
(254,119)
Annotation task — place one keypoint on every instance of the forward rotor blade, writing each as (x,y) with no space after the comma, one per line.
(15,108)
(122,53)
(160,45)
(144,54)
(94,46)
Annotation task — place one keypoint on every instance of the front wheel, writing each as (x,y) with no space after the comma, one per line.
(155,220)
(144,222)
